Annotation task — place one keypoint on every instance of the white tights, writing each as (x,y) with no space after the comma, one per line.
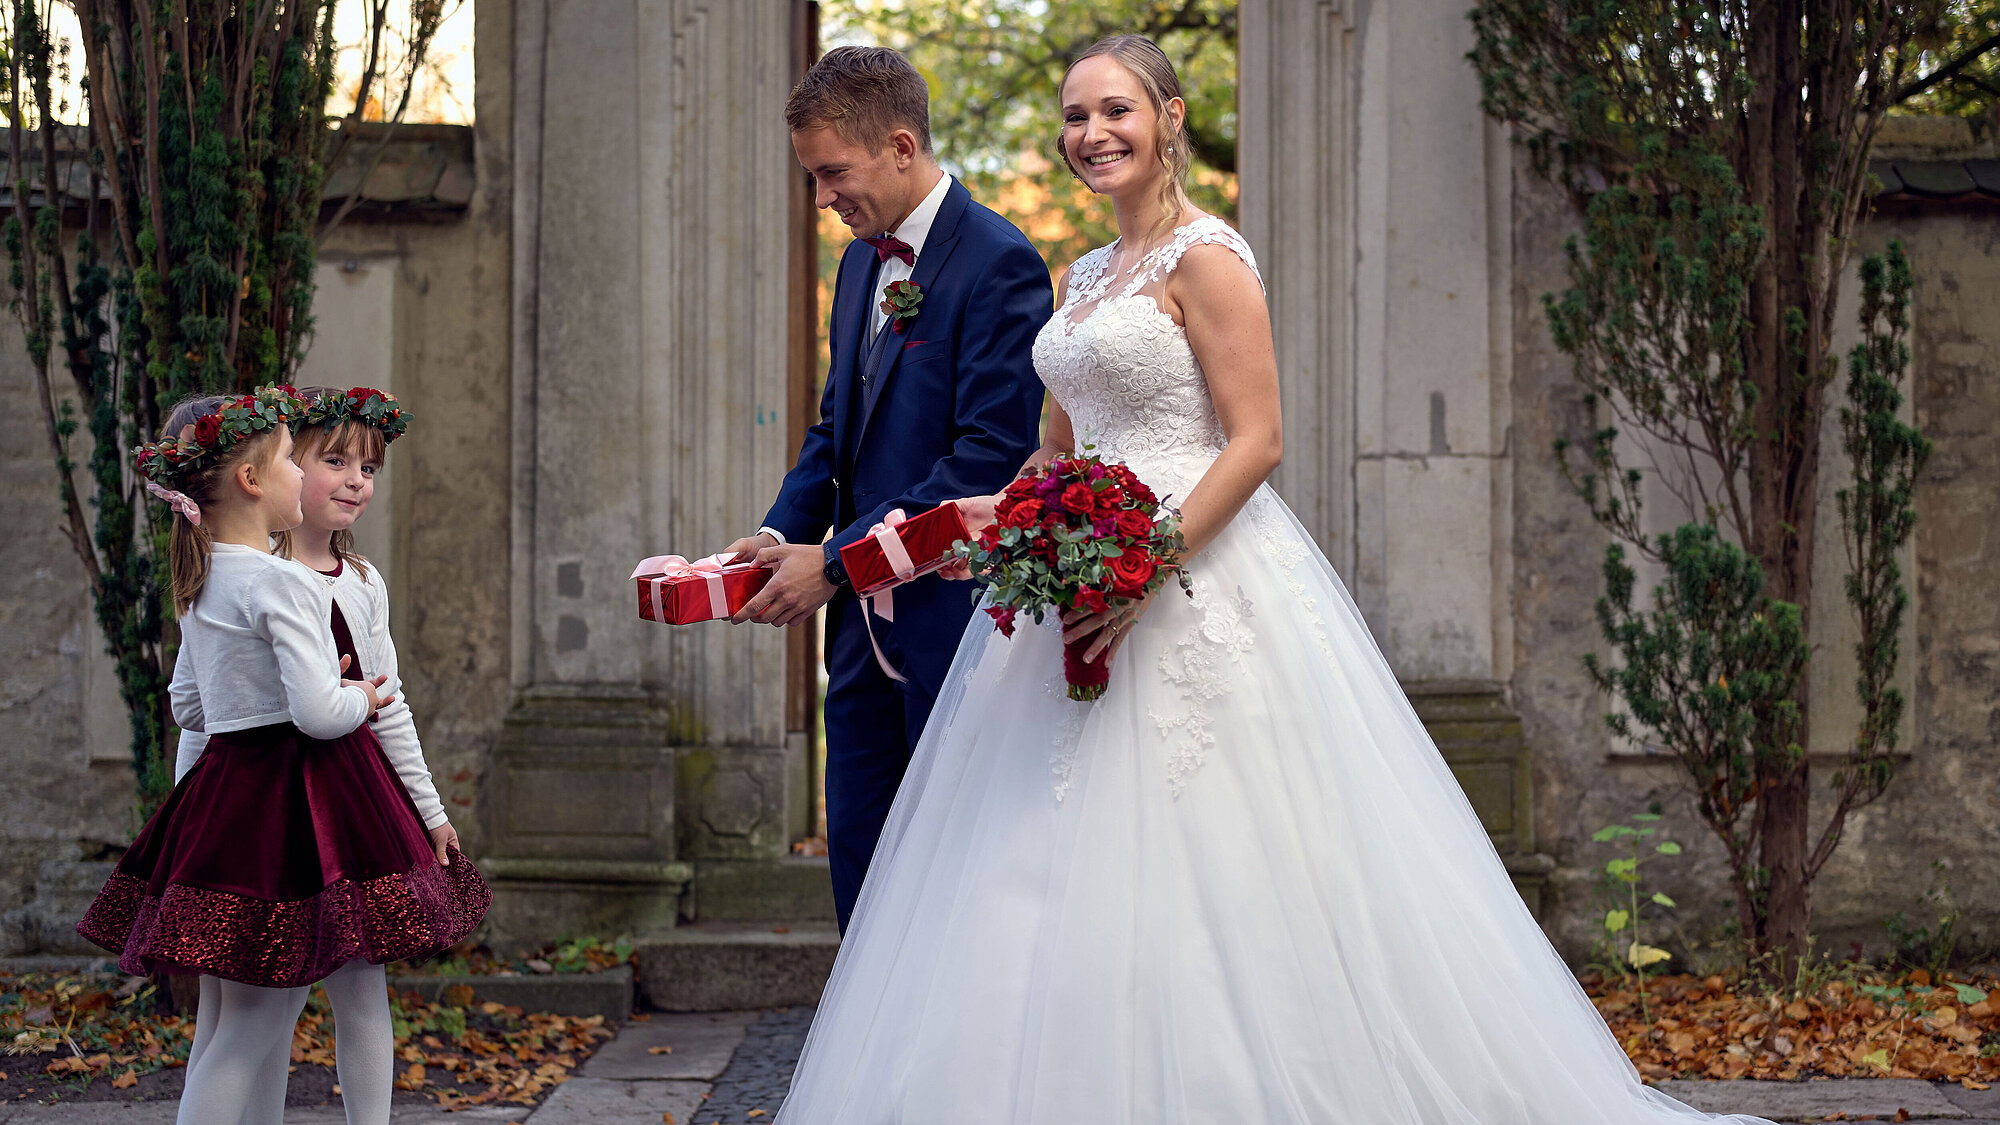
(242,1051)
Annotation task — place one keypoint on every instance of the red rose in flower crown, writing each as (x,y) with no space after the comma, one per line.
(1078,533)
(207,428)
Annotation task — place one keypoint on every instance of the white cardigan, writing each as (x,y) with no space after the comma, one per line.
(256,650)
(364,605)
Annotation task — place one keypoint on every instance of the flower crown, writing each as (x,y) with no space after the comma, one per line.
(364,405)
(246,416)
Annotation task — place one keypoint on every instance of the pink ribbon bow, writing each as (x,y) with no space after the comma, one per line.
(178,501)
(663,568)
(884,601)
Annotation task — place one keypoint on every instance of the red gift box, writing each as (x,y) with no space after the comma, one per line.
(901,548)
(678,592)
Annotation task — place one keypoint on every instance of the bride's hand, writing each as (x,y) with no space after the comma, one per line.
(978,513)
(1112,627)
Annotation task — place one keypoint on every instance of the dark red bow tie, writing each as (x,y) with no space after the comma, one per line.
(888,246)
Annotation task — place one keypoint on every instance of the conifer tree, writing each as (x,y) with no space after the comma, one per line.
(1718,155)
(184,263)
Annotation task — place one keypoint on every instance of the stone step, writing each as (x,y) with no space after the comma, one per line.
(724,966)
(607,994)
(795,887)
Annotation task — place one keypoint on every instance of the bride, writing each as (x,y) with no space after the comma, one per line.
(1242,886)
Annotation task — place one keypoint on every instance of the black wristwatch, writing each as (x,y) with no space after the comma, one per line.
(836,574)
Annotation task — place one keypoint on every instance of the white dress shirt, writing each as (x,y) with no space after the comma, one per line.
(914,231)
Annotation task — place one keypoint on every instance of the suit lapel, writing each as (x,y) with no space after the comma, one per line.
(850,316)
(931,261)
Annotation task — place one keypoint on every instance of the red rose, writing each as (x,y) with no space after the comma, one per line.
(1022,486)
(1021,513)
(1109,500)
(1130,572)
(1079,499)
(1134,524)
(1003,619)
(1091,599)
(207,428)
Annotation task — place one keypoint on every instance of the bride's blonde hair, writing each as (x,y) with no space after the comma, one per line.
(1156,76)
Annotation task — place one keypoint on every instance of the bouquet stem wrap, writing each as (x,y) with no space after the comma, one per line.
(1086,679)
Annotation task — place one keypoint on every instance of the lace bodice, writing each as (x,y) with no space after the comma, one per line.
(1122,369)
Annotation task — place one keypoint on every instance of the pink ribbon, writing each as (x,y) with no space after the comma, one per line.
(660,569)
(884,601)
(884,534)
(178,501)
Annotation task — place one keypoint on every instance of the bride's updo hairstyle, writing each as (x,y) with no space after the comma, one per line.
(1156,76)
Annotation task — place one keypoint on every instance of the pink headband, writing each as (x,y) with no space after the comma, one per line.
(178,501)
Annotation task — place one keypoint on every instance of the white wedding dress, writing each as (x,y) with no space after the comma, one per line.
(1241,889)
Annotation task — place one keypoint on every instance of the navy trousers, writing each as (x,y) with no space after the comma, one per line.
(872,727)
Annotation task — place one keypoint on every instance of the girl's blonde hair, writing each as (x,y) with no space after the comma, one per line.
(357,439)
(190,550)
(1156,76)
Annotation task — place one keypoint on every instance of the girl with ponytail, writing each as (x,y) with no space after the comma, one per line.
(271,865)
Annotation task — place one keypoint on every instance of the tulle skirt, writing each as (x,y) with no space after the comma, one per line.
(277,859)
(1242,887)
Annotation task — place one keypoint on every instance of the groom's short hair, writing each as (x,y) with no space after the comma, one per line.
(865,93)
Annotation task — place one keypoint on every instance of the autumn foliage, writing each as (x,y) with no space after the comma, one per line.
(1709,1027)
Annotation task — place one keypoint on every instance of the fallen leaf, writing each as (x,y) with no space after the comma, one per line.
(1965,1082)
(667,1118)
(755,1113)
(125,1081)
(659,1050)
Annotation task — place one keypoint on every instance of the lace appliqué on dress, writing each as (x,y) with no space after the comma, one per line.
(1201,664)
(1284,546)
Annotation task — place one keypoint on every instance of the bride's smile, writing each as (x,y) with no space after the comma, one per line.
(1107,121)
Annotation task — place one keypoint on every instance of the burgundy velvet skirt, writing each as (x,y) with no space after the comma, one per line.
(277,859)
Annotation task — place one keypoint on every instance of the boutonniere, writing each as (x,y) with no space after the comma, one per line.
(899,302)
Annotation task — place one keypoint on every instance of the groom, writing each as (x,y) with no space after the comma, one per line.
(917,411)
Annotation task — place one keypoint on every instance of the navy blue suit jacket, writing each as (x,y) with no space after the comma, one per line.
(950,408)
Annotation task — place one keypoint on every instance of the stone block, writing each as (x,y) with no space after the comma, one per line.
(582,775)
(601,1101)
(539,901)
(795,888)
(607,994)
(691,1046)
(1858,1098)
(735,801)
(723,967)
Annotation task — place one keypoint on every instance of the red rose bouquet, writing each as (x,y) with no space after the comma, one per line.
(1076,533)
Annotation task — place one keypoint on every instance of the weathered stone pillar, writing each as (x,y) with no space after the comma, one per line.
(1295,162)
(1378,198)
(651,178)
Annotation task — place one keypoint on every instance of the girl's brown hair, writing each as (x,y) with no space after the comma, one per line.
(359,441)
(189,548)
(1156,76)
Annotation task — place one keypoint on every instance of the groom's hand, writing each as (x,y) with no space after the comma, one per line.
(795,592)
(746,548)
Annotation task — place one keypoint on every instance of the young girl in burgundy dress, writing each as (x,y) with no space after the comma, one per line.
(290,851)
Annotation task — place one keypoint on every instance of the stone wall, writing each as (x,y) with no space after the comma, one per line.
(1944,806)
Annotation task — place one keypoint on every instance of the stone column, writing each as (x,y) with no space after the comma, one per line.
(1295,162)
(651,177)
(1378,198)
